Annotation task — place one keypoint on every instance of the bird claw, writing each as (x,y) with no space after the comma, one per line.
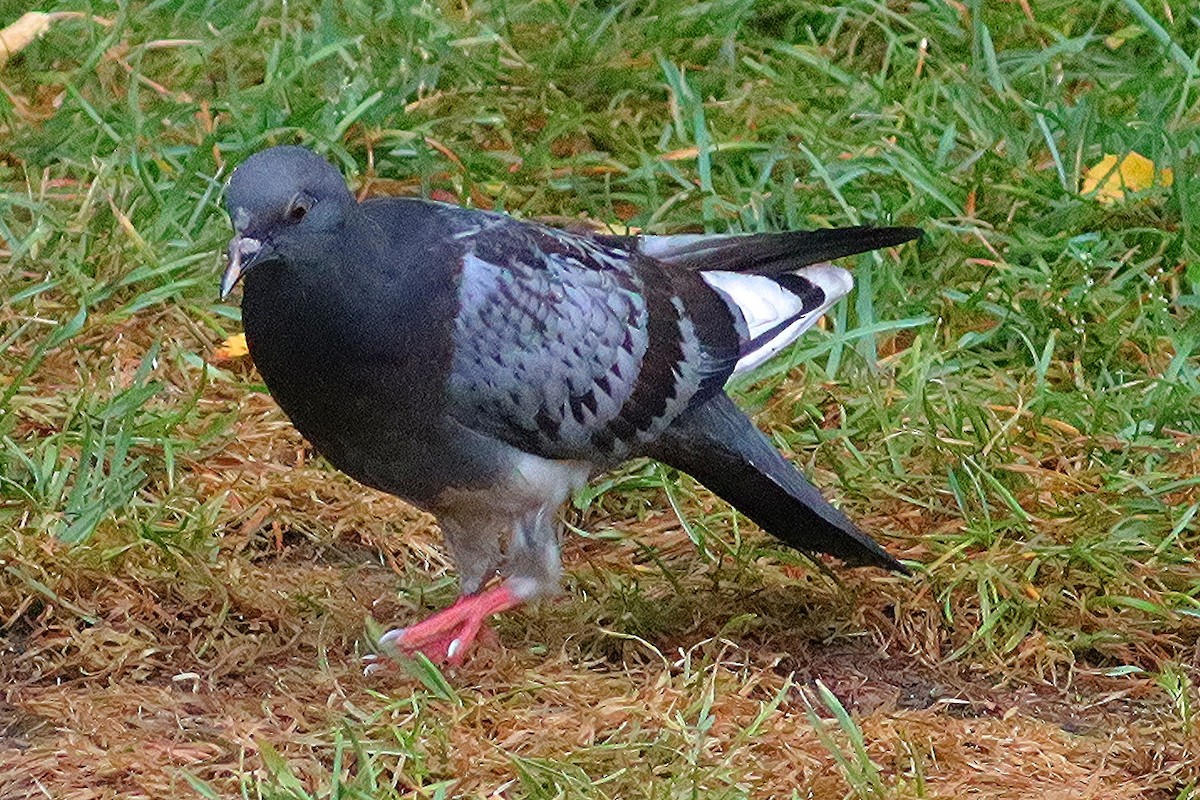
(448,635)
(454,648)
(449,648)
(373,663)
(390,638)
(389,650)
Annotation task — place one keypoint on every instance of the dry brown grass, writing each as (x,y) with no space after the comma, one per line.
(193,661)
(195,677)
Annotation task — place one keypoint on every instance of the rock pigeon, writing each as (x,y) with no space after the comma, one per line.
(483,368)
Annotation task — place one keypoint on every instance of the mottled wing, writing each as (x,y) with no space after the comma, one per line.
(570,349)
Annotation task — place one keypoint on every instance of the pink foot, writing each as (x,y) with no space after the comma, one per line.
(447,636)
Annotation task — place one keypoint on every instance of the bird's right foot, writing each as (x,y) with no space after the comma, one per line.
(447,636)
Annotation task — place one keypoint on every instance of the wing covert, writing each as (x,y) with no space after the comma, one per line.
(569,348)
(547,348)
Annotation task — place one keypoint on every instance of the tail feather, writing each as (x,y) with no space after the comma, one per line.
(773,310)
(765,253)
(718,445)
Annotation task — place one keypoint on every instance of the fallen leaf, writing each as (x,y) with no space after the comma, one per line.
(1113,176)
(617,228)
(1118,38)
(681,154)
(20,34)
(231,348)
(29,26)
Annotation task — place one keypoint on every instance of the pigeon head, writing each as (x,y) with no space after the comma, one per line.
(280,200)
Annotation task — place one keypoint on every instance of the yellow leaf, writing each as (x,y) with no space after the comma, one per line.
(20,34)
(614,228)
(231,348)
(28,27)
(620,229)
(1118,38)
(682,154)
(1110,179)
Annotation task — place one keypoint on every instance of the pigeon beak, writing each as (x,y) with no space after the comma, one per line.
(244,253)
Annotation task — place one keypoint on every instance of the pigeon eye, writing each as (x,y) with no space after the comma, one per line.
(299,207)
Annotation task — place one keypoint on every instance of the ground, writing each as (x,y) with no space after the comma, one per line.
(1011,405)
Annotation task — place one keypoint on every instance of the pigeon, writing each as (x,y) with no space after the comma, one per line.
(483,368)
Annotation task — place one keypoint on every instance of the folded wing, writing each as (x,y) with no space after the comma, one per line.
(572,349)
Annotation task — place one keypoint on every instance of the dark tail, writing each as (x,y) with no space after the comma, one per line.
(764,253)
(719,446)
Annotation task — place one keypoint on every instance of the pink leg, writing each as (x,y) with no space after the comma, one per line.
(448,635)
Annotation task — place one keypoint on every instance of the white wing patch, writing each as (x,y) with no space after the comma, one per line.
(664,247)
(766,304)
(763,302)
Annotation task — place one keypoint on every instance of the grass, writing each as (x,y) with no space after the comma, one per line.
(1012,405)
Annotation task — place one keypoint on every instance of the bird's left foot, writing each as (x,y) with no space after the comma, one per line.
(447,636)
